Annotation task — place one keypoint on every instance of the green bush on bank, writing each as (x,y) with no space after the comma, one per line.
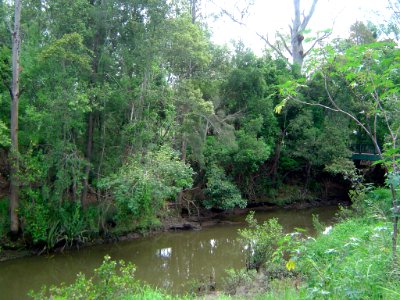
(112,280)
(47,223)
(141,187)
(260,241)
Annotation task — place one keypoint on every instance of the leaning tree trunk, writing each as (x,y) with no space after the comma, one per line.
(14,156)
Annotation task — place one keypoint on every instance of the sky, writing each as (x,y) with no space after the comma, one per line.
(268,16)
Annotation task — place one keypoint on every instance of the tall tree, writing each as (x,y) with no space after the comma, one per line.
(15,93)
(361,34)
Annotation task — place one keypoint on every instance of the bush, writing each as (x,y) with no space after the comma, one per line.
(47,223)
(220,192)
(260,241)
(36,217)
(112,280)
(142,186)
(378,203)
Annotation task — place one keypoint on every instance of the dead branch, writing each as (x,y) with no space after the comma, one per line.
(324,36)
(306,19)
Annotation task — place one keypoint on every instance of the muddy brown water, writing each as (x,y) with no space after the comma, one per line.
(175,261)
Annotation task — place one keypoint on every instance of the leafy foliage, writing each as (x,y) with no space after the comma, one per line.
(4,220)
(112,280)
(352,261)
(260,241)
(112,90)
(221,192)
(142,186)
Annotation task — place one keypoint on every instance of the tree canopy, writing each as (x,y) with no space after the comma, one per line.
(127,108)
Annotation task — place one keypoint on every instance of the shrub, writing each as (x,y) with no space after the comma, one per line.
(49,223)
(112,280)
(142,186)
(36,217)
(220,192)
(378,203)
(260,241)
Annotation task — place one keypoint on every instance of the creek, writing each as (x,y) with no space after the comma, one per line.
(176,261)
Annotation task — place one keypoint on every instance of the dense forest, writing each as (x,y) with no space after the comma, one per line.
(124,109)
(117,116)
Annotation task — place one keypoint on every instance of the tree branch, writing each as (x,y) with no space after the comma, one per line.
(284,43)
(338,109)
(230,15)
(276,49)
(324,36)
(307,18)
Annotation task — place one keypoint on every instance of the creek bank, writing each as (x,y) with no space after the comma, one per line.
(205,218)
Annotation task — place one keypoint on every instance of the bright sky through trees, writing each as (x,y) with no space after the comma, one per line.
(268,16)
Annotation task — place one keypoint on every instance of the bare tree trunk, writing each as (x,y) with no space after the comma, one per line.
(297,31)
(308,176)
(14,155)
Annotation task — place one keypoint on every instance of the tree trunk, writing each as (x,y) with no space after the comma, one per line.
(14,155)
(89,148)
(296,37)
(308,176)
(277,155)
(297,30)
(99,36)
(193,10)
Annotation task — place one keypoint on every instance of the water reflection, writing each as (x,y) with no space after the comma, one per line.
(169,260)
(165,252)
